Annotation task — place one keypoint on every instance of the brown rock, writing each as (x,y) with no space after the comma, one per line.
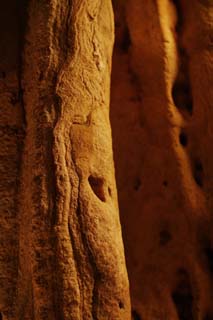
(161,118)
(61,249)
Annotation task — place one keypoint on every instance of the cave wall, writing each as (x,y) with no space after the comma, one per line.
(61,250)
(162,120)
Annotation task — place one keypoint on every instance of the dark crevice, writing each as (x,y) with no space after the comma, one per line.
(1,317)
(182,296)
(97,185)
(179,23)
(126,40)
(121,305)
(122,34)
(165,237)
(135,315)
(181,91)
(183,139)
(109,191)
(198,172)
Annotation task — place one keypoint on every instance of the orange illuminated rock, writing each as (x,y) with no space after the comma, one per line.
(162,122)
(61,249)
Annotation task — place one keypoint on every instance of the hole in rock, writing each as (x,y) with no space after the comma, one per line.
(1,317)
(183,139)
(121,305)
(181,93)
(135,315)
(182,296)
(198,173)
(97,185)
(165,237)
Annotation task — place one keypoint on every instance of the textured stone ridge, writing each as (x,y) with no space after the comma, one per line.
(162,122)
(61,249)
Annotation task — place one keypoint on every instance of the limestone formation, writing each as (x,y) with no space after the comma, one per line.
(162,124)
(61,250)
(60,240)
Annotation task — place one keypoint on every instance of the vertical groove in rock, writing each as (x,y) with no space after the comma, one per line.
(160,143)
(181,91)
(183,297)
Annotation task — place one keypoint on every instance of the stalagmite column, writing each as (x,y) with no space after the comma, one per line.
(60,241)
(162,119)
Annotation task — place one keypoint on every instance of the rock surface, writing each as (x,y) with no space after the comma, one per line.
(61,249)
(162,122)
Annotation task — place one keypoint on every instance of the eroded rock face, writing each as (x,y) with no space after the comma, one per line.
(61,250)
(161,120)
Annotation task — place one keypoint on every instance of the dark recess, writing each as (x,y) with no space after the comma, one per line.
(181,91)
(179,23)
(126,41)
(109,191)
(97,185)
(182,296)
(183,139)
(198,172)
(135,315)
